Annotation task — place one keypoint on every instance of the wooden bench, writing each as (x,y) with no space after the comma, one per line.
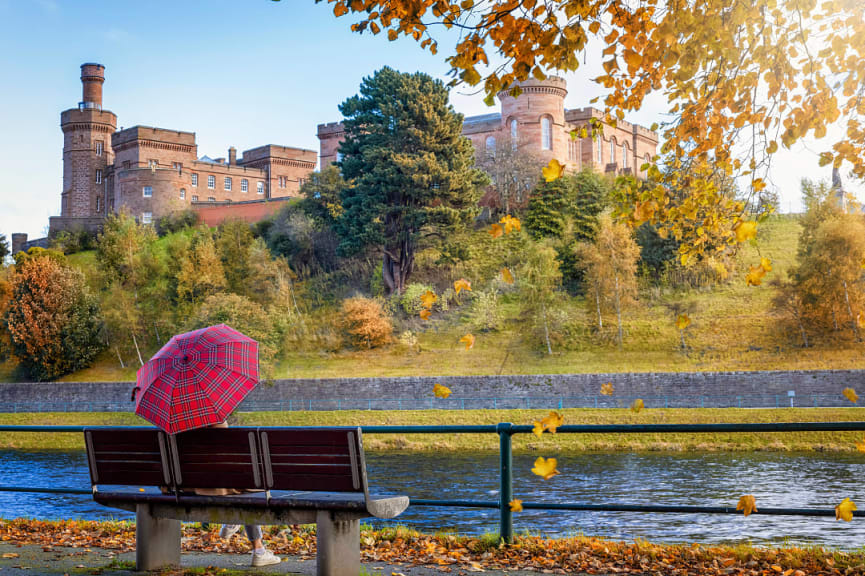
(302,475)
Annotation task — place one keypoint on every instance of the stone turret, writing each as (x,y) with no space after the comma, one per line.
(536,117)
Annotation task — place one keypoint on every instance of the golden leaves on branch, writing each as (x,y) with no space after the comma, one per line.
(441,391)
(844,510)
(745,230)
(468,340)
(607,389)
(516,505)
(850,395)
(747,504)
(545,467)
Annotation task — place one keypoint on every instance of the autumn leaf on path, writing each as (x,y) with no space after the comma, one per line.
(469,341)
(850,395)
(607,389)
(425,314)
(553,421)
(496,230)
(637,405)
(747,504)
(462,284)
(545,468)
(538,430)
(441,391)
(516,505)
(507,277)
(510,223)
(553,170)
(428,298)
(844,510)
(683,321)
(15,555)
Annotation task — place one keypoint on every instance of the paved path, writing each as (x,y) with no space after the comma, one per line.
(59,561)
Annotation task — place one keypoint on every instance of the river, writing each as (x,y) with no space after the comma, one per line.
(775,479)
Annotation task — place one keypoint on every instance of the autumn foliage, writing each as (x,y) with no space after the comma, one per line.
(366,322)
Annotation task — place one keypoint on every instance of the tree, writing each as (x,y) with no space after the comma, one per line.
(54,324)
(410,170)
(200,272)
(539,278)
(321,195)
(234,242)
(4,250)
(771,72)
(547,212)
(513,172)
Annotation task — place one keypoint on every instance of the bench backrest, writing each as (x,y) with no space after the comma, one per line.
(128,457)
(217,458)
(314,459)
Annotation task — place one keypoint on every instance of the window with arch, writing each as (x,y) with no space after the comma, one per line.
(183,193)
(546,133)
(624,155)
(514,133)
(491,145)
(600,149)
(612,151)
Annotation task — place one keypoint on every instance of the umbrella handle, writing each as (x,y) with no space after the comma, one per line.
(134,392)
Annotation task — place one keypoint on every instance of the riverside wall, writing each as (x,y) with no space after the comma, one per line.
(675,388)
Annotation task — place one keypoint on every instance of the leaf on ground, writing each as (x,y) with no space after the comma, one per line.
(507,277)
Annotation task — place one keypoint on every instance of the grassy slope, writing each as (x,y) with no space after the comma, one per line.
(733,328)
(816,441)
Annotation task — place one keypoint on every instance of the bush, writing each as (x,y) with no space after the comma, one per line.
(485,314)
(410,299)
(72,241)
(365,322)
(176,221)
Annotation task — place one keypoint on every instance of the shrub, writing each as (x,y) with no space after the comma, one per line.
(410,299)
(366,322)
(176,221)
(485,314)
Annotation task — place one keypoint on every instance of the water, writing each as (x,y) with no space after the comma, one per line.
(775,479)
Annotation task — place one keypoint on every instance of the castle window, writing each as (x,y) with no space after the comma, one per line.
(211,182)
(514,134)
(244,185)
(546,133)
(147,217)
(259,187)
(194,198)
(98,176)
(227,184)
(99,147)
(98,206)
(600,148)
(211,199)
(178,166)
(183,193)
(147,191)
(153,163)
(491,145)
(126,164)
(612,151)
(625,155)
(195,180)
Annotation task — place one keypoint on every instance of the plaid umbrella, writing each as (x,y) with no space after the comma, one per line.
(197,379)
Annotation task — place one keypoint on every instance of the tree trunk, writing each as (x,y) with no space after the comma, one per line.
(598,303)
(158,338)
(850,312)
(618,311)
(801,328)
(119,357)
(546,329)
(135,341)
(387,273)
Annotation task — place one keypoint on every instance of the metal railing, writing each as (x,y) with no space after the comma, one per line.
(506,431)
(475,403)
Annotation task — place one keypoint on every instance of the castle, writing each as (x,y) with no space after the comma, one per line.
(150,172)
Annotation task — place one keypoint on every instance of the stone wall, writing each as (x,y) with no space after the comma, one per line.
(357,392)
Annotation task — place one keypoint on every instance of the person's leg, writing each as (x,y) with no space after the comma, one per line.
(254,533)
(261,556)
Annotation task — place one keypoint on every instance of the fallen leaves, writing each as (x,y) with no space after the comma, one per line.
(545,467)
(747,504)
(844,510)
(850,395)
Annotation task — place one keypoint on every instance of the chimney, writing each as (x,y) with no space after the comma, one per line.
(232,156)
(92,77)
(18,242)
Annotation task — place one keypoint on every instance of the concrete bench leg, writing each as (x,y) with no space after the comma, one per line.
(338,545)
(157,540)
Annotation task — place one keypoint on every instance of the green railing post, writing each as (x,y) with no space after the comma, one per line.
(506,478)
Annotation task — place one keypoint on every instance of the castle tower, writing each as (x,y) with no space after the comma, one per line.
(87,152)
(536,118)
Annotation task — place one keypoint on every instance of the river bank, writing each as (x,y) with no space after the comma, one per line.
(728,442)
(448,553)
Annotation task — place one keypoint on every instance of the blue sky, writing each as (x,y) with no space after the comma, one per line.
(236,72)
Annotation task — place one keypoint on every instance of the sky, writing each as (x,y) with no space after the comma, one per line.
(238,73)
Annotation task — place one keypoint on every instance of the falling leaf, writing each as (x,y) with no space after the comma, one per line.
(755,276)
(425,314)
(141,489)
(766,264)
(607,389)
(428,298)
(637,405)
(745,231)
(747,504)
(496,230)
(510,223)
(553,421)
(538,430)
(860,446)
(545,468)
(844,510)
(469,341)
(441,391)
(507,277)
(683,321)
(553,170)
(516,505)
(462,284)
(850,395)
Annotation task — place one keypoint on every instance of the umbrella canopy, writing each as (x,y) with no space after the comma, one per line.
(197,379)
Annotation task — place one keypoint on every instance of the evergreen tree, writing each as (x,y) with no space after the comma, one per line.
(410,171)
(548,209)
(4,250)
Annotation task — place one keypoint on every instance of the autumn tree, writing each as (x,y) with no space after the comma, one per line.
(321,195)
(410,170)
(539,279)
(4,250)
(200,272)
(53,321)
(513,172)
(611,271)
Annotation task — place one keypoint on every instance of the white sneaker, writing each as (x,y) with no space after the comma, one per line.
(265,558)
(229,530)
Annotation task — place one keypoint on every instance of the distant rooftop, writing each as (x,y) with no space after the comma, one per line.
(482,118)
(209,160)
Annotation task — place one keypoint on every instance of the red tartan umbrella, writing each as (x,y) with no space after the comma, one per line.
(197,379)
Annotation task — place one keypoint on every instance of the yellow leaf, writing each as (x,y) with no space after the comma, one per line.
(538,430)
(755,276)
(860,446)
(745,231)
(462,284)
(545,468)
(553,421)
(553,170)
(141,489)
(850,395)
(594,27)
(469,341)
(425,314)
(766,264)
(10,555)
(507,277)
(441,391)
(496,230)
(747,504)
(844,510)
(683,321)
(607,389)
(510,223)
(428,298)
(516,505)
(637,405)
